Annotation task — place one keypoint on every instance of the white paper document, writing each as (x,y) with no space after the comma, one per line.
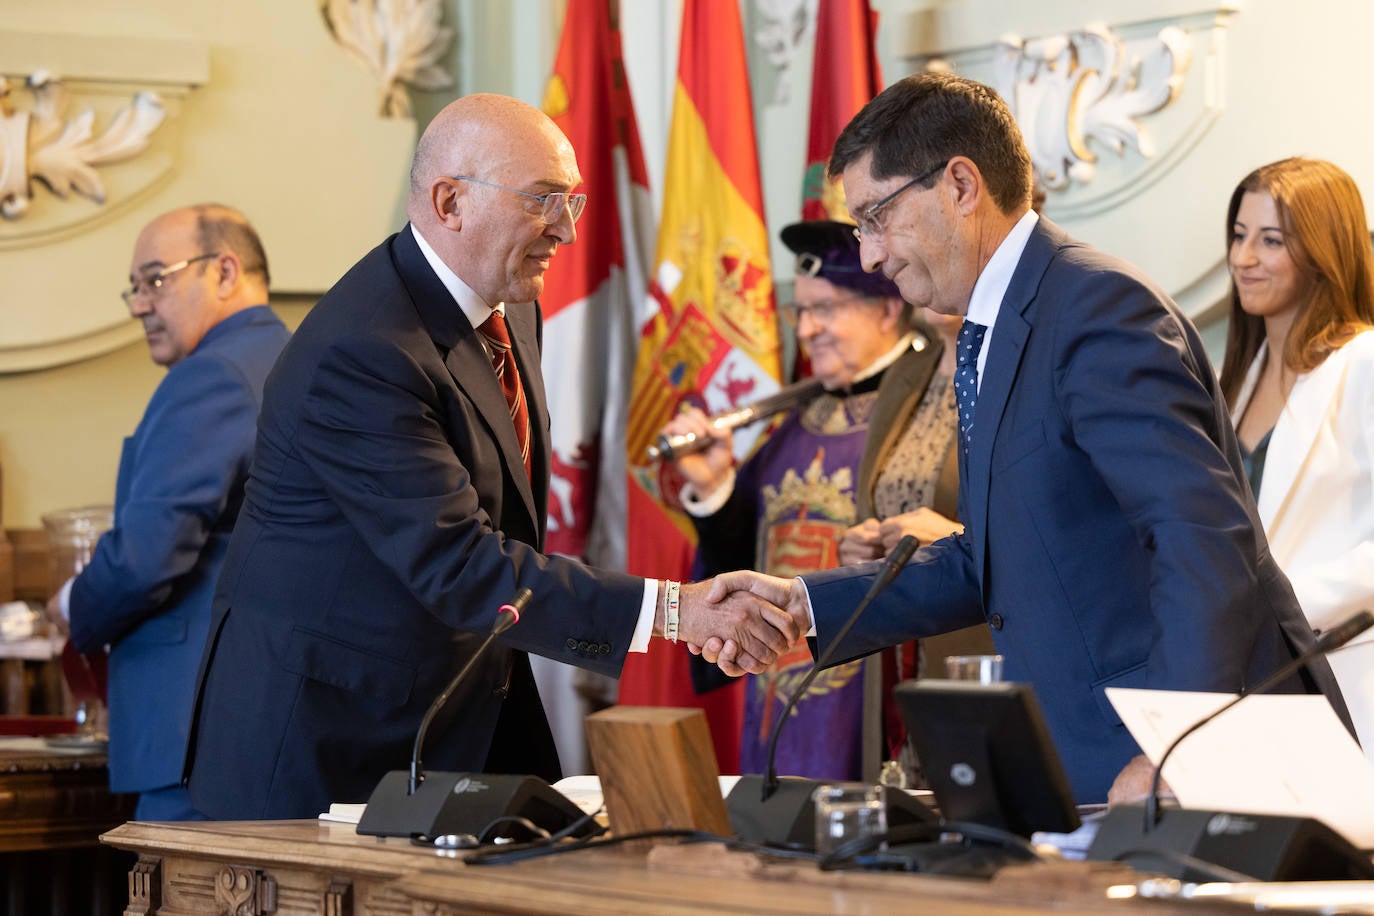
(1281,754)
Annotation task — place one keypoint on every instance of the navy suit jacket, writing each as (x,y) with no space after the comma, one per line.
(387,517)
(1111,537)
(146,592)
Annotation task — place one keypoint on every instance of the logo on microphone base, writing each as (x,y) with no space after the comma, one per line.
(468,784)
(1230,825)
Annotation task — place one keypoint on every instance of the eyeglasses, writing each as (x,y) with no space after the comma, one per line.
(552,204)
(821,312)
(149,288)
(869,223)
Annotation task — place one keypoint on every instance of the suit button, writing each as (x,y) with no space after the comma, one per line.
(605,648)
(995,621)
(583,646)
(572,645)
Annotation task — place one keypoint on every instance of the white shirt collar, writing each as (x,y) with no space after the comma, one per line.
(474,307)
(992,283)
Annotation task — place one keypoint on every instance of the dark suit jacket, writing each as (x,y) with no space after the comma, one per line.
(1111,538)
(146,592)
(387,518)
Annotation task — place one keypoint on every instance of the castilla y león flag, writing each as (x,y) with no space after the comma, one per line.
(711,336)
(593,288)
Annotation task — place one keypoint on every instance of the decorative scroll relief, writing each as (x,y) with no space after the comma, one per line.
(44,144)
(780,35)
(400,41)
(1072,93)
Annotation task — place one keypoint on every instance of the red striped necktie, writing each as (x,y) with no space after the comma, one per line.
(497,337)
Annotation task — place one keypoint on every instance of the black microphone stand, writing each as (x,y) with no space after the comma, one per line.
(892,565)
(1200,845)
(1328,641)
(465,807)
(780,812)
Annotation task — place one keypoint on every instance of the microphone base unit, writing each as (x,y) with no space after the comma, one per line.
(788,818)
(1267,847)
(468,805)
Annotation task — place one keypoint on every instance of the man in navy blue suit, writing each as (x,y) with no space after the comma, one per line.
(1111,539)
(199,285)
(398,498)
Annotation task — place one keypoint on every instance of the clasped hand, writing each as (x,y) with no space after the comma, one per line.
(742,621)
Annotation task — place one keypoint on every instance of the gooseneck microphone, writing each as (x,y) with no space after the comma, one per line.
(507,617)
(1328,641)
(892,565)
(464,809)
(1200,845)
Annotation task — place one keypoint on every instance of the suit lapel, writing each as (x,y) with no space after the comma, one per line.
(1008,344)
(467,361)
(1295,434)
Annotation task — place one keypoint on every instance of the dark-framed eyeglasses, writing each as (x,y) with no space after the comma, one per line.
(822,312)
(869,223)
(551,205)
(149,287)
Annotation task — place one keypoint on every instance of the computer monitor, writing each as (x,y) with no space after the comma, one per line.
(987,755)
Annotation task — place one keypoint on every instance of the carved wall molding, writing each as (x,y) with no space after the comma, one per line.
(1109,110)
(402,43)
(132,85)
(1074,94)
(782,32)
(45,144)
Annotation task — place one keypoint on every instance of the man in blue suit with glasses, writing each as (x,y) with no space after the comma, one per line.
(1111,537)
(199,285)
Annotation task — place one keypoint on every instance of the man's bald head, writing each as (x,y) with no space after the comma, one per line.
(478,135)
(481,171)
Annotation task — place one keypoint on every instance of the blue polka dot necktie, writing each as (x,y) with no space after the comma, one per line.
(970,341)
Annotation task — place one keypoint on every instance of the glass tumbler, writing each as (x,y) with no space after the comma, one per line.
(847,811)
(72,536)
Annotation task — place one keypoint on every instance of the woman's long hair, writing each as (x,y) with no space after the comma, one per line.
(1327,235)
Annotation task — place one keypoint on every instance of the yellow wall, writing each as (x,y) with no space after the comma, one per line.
(61,429)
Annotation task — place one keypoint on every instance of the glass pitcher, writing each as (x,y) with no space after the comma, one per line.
(72,535)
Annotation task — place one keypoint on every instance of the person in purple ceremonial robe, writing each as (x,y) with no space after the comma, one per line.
(875,441)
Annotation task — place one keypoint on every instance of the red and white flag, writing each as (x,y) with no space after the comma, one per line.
(593,289)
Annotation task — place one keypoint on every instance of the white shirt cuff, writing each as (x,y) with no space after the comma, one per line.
(806,593)
(64,599)
(644,629)
(699,506)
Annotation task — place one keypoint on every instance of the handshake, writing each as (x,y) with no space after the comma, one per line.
(739,621)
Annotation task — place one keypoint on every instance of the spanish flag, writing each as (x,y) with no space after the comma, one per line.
(712,335)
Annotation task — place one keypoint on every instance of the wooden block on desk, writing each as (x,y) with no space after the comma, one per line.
(658,770)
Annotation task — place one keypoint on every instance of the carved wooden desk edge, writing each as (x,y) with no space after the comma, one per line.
(260,867)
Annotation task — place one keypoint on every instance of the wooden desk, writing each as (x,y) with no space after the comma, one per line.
(307,867)
(54,804)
